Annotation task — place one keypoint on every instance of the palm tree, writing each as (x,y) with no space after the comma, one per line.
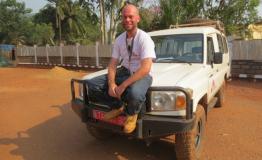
(59,5)
(73,17)
(179,11)
(68,16)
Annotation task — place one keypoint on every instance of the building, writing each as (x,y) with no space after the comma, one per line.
(255,30)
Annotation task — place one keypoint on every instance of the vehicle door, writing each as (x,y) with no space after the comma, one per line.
(211,67)
(226,56)
(221,69)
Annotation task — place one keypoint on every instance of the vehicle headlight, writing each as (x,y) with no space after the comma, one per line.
(167,100)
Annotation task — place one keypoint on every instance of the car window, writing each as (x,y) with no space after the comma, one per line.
(220,43)
(210,50)
(225,45)
(179,48)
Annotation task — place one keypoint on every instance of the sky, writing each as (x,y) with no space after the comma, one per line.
(35,5)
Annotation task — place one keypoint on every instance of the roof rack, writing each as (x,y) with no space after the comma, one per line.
(215,24)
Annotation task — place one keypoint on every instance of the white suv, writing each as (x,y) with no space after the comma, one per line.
(189,77)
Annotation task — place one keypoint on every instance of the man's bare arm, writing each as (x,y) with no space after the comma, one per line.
(140,73)
(111,77)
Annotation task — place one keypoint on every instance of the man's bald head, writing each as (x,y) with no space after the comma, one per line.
(131,7)
(130,18)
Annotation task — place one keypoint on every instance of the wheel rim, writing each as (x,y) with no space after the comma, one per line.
(198,134)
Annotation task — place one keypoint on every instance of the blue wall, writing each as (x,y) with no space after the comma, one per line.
(6,47)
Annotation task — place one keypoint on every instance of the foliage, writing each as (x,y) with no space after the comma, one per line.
(150,18)
(235,14)
(79,21)
(46,15)
(12,18)
(109,13)
(17,27)
(72,21)
(179,11)
(40,34)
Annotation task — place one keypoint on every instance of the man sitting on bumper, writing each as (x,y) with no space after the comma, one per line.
(125,87)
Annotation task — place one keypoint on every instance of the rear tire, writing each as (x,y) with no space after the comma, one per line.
(221,96)
(188,144)
(99,133)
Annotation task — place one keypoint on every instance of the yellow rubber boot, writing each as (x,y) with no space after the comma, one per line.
(130,123)
(113,113)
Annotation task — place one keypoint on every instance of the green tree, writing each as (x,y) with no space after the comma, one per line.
(39,34)
(12,20)
(74,18)
(46,15)
(80,27)
(60,5)
(149,18)
(235,14)
(109,13)
(76,23)
(179,11)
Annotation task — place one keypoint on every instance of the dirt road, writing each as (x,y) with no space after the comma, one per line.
(37,123)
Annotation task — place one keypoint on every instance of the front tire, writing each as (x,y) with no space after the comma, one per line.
(188,144)
(99,133)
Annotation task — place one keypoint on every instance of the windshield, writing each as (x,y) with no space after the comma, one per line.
(183,48)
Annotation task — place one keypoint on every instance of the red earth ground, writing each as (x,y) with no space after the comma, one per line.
(37,123)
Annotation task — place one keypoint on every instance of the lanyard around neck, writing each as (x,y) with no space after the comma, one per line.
(130,47)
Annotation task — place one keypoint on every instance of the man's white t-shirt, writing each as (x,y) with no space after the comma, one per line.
(143,47)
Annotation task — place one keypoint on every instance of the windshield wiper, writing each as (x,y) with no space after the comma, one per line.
(171,59)
(166,59)
(182,61)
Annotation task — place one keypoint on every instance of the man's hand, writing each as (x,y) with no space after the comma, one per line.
(119,90)
(140,73)
(112,90)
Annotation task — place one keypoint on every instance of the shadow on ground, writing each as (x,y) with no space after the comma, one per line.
(65,137)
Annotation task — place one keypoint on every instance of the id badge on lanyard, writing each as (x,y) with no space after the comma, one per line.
(130,51)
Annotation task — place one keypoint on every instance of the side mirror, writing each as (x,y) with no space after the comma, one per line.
(218,58)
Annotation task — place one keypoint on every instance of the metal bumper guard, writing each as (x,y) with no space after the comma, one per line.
(148,126)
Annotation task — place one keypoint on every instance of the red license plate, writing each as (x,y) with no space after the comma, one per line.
(119,120)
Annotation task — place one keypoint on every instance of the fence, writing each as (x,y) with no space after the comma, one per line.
(95,55)
(247,50)
(247,59)
(246,56)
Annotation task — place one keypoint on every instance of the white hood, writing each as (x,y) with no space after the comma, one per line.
(171,74)
(166,74)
